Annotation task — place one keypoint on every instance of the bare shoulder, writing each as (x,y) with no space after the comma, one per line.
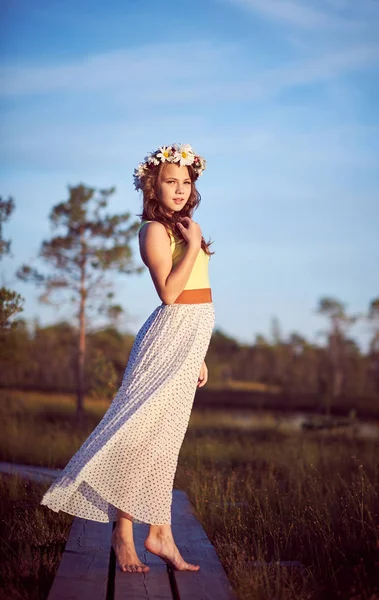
(153,226)
(153,230)
(153,239)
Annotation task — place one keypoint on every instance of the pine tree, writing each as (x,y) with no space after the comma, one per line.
(92,244)
(10,301)
(338,342)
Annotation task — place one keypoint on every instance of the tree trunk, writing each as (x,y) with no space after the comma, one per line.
(81,359)
(82,337)
(337,382)
(335,345)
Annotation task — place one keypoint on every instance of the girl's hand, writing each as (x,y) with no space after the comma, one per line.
(191,231)
(203,377)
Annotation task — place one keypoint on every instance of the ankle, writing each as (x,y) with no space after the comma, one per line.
(162,531)
(123,517)
(121,530)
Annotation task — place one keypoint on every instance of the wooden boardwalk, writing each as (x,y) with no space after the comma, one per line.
(38,474)
(88,568)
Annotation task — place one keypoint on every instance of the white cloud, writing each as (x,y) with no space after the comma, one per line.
(124,70)
(165,78)
(295,13)
(307,14)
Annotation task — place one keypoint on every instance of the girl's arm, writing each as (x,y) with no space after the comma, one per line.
(156,253)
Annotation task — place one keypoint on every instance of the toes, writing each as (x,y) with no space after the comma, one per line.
(134,568)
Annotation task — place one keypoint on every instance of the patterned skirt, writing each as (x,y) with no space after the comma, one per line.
(130,459)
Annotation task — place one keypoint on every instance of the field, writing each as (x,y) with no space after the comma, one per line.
(31,540)
(263,494)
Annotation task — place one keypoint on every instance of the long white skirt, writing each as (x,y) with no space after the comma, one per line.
(130,459)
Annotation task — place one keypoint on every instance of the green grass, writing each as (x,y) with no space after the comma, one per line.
(42,429)
(270,496)
(32,540)
(262,494)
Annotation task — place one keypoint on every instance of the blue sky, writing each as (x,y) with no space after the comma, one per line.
(280,96)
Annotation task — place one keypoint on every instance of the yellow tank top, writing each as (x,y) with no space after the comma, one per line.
(199,277)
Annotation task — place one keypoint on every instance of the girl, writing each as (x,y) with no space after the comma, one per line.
(124,471)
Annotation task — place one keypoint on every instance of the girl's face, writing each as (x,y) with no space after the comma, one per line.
(174,187)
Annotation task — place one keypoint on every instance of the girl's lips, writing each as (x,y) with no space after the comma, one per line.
(178,200)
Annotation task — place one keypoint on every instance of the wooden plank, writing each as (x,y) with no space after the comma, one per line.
(86,564)
(83,570)
(153,585)
(38,474)
(210,581)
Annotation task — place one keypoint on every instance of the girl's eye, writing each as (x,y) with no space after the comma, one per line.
(172,181)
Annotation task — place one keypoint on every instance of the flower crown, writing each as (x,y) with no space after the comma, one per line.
(176,153)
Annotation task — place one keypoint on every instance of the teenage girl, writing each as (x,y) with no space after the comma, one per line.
(124,471)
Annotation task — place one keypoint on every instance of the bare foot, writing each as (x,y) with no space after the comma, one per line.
(126,555)
(165,547)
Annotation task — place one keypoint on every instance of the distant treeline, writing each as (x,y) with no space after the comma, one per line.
(89,246)
(281,374)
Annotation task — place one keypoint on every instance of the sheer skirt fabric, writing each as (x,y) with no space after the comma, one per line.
(129,460)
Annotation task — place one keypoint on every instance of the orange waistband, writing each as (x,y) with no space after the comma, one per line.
(194,296)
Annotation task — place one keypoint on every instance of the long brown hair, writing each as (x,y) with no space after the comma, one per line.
(154,211)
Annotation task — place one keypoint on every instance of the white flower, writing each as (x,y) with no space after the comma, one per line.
(140,170)
(186,148)
(138,174)
(202,162)
(137,180)
(164,153)
(152,160)
(184,155)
